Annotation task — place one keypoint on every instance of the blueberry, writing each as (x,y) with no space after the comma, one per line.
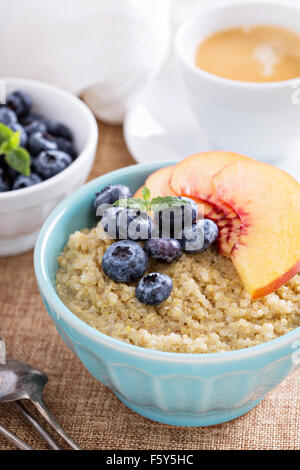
(199,236)
(135,225)
(110,219)
(33,117)
(32,163)
(4,182)
(125,261)
(38,142)
(163,249)
(110,194)
(66,146)
(23,181)
(15,126)
(192,208)
(172,220)
(132,224)
(9,172)
(154,288)
(51,162)
(7,116)
(35,126)
(58,129)
(19,102)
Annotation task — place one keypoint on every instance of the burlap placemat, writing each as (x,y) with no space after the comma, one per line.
(90,412)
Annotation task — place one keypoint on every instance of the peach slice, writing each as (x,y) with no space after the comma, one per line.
(158,182)
(139,193)
(267,200)
(229,228)
(229,235)
(192,177)
(226,219)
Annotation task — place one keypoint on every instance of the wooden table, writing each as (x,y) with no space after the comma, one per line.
(90,412)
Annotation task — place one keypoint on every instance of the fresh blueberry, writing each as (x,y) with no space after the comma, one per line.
(15,126)
(7,116)
(109,219)
(23,181)
(192,209)
(33,117)
(58,129)
(32,163)
(35,126)
(4,182)
(66,146)
(125,261)
(154,288)
(199,236)
(131,224)
(163,249)
(172,220)
(110,194)
(20,102)
(9,172)
(51,162)
(135,225)
(38,142)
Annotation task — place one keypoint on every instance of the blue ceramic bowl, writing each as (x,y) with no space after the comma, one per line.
(178,389)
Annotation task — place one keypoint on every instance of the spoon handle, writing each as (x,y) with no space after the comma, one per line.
(41,407)
(2,351)
(45,435)
(14,439)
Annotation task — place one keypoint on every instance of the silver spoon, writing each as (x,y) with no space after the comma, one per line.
(14,439)
(19,381)
(26,413)
(2,351)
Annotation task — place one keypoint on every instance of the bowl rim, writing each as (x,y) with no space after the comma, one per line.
(91,140)
(50,294)
(229,83)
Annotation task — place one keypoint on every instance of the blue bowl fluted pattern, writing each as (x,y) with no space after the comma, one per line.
(179,389)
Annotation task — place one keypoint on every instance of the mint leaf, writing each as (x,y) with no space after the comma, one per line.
(15,156)
(166,202)
(5,133)
(19,160)
(157,204)
(146,193)
(132,203)
(11,144)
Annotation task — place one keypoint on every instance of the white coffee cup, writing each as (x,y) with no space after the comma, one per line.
(257,119)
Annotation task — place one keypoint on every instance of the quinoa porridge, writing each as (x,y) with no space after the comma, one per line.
(208,309)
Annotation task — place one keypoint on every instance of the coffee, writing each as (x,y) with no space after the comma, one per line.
(253,54)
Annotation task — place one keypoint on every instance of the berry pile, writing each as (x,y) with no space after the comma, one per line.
(47,145)
(126,219)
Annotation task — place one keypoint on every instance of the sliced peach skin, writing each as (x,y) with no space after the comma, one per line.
(267,200)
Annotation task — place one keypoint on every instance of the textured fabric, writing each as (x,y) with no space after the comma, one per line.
(90,412)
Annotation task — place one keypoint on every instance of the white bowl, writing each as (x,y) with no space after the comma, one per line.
(257,119)
(22,212)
